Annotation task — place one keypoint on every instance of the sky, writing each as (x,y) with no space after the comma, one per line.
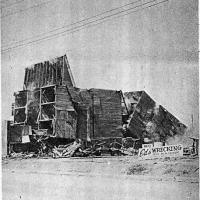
(154,49)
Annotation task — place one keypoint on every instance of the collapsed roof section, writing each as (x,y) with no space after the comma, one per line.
(148,120)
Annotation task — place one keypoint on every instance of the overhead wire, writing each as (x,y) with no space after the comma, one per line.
(75,29)
(121,15)
(78,28)
(68,50)
(55,34)
(78,22)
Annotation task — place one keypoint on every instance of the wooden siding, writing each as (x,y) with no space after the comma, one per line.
(47,73)
(104,108)
(65,124)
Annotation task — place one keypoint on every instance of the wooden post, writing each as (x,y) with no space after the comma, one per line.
(93,121)
(88,124)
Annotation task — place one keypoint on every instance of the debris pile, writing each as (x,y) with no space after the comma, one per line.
(47,147)
(68,150)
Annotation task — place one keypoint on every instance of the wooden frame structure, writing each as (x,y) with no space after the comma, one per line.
(50,101)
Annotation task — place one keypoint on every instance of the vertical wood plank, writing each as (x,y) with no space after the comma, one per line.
(56,75)
(88,124)
(39,77)
(42,74)
(47,74)
(36,75)
(25,78)
(31,75)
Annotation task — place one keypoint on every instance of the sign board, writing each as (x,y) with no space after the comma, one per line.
(147,145)
(25,139)
(161,152)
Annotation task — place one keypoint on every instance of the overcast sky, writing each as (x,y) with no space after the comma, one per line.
(154,49)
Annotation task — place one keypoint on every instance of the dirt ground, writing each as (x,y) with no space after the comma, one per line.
(101,178)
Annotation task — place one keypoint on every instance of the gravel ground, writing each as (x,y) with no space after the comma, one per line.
(100,178)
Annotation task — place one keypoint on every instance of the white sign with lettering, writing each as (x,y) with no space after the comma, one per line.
(147,145)
(158,152)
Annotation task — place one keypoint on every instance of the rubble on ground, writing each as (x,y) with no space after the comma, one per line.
(42,147)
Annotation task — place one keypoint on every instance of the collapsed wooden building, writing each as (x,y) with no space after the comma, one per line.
(144,118)
(50,104)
